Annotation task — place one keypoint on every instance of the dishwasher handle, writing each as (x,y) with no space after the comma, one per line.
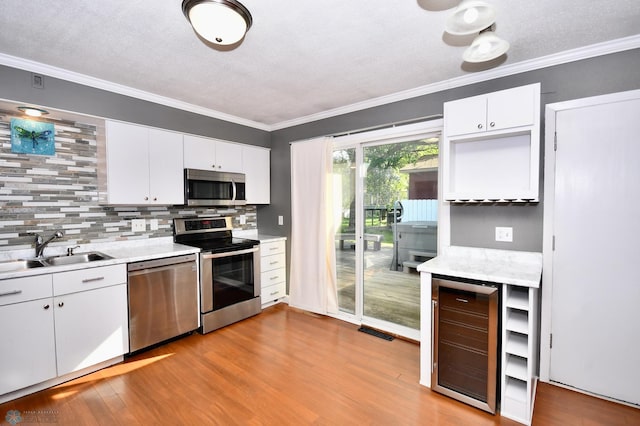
(160,263)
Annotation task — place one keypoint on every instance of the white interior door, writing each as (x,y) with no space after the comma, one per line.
(595,312)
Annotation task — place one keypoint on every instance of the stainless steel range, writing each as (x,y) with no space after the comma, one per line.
(229,270)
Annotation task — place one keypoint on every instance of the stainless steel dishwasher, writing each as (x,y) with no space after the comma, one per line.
(163,299)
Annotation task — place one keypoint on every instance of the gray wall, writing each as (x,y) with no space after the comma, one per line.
(60,94)
(471,225)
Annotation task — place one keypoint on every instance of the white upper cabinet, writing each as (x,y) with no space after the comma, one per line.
(495,111)
(491,147)
(212,154)
(143,166)
(257,169)
(165,167)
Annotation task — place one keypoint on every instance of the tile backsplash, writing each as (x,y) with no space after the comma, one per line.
(43,194)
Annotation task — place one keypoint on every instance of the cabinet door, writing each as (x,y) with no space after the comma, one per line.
(165,167)
(256,163)
(199,153)
(511,108)
(465,116)
(29,353)
(127,163)
(91,327)
(228,157)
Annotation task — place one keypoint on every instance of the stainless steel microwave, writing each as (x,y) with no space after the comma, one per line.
(209,188)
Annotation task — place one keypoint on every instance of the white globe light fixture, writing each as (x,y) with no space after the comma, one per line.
(485,47)
(221,22)
(471,16)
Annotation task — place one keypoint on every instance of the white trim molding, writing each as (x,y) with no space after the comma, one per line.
(591,51)
(85,80)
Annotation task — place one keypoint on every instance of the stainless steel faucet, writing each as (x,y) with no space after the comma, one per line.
(40,245)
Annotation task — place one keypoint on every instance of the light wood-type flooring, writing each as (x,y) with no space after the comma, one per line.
(283,367)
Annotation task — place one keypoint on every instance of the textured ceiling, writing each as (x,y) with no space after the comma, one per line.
(300,58)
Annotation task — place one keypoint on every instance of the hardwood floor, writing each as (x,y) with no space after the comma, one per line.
(283,367)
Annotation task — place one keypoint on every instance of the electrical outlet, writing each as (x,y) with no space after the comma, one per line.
(153,224)
(280,220)
(138,225)
(243,219)
(504,234)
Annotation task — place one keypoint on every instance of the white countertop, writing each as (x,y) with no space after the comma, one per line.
(499,266)
(122,252)
(256,235)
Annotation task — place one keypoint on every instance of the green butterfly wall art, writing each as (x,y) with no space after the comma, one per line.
(32,137)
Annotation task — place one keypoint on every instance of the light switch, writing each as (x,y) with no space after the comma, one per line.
(504,234)
(153,224)
(280,220)
(243,219)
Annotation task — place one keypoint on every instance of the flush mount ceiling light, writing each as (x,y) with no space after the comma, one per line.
(33,111)
(222,22)
(485,47)
(471,16)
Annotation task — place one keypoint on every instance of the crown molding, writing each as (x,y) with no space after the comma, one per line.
(74,77)
(591,51)
(573,55)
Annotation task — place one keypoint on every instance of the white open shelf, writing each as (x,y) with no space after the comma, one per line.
(518,298)
(517,344)
(516,367)
(496,168)
(517,321)
(516,389)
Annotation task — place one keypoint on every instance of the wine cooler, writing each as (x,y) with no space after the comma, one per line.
(465,341)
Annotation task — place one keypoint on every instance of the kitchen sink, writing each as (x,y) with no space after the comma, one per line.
(19,265)
(76,258)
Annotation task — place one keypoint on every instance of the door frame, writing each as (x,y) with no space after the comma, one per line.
(379,137)
(551,111)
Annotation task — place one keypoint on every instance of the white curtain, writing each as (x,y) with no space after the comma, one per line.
(312,283)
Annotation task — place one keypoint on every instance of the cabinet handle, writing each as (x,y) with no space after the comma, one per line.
(90,280)
(462,300)
(492,124)
(273,293)
(11,293)
(45,307)
(273,263)
(60,304)
(274,278)
(479,126)
(434,306)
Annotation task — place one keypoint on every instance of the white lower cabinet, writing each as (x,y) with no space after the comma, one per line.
(26,326)
(273,271)
(91,316)
(81,343)
(56,324)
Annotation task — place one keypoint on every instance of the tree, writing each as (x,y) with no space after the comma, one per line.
(384,183)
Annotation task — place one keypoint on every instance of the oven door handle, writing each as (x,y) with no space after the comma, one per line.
(229,253)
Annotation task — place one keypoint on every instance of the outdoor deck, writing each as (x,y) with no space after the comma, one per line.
(388,295)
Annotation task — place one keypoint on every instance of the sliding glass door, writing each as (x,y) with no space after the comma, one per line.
(344,183)
(387,195)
